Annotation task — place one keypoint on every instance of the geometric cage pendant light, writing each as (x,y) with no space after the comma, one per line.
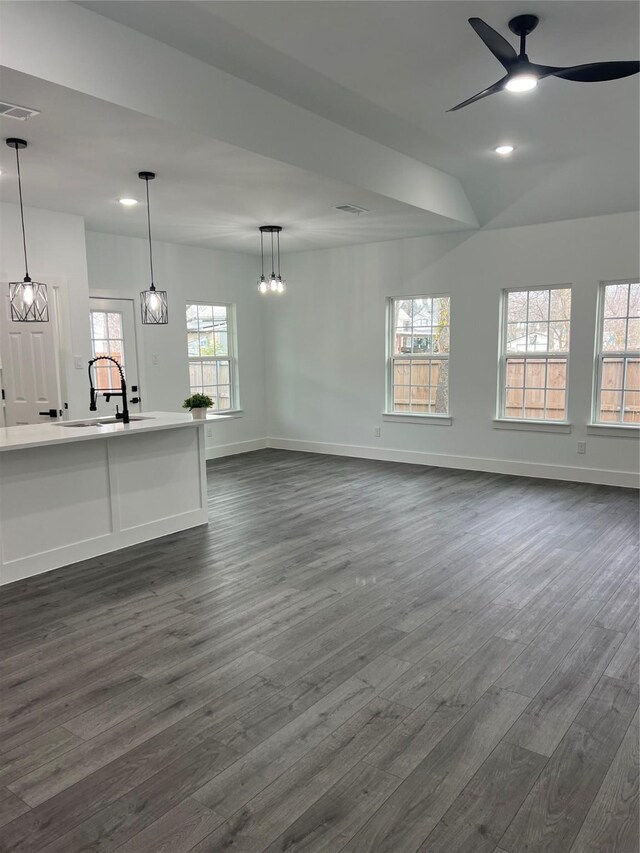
(28,299)
(153,303)
(275,283)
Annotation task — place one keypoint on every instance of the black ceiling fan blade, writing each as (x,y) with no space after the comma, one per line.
(499,46)
(595,72)
(491,90)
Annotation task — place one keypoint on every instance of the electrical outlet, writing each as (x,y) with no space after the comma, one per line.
(209,432)
(155,359)
(376,432)
(77,362)
(582,447)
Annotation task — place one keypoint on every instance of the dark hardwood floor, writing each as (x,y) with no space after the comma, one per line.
(354,656)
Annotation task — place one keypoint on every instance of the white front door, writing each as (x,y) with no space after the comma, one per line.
(30,366)
(113,333)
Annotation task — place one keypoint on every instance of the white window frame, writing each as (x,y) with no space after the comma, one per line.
(389,413)
(502,419)
(231,357)
(600,354)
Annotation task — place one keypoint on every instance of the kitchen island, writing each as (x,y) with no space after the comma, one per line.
(77,489)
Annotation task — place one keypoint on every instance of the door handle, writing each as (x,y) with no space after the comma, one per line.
(52,413)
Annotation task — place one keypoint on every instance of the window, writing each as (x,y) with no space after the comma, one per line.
(418,368)
(210,347)
(107,339)
(618,354)
(535,353)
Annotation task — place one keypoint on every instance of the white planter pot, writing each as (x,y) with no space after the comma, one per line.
(199,414)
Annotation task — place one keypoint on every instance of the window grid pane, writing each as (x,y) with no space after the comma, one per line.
(107,339)
(420,328)
(538,320)
(619,374)
(208,347)
(535,357)
(619,390)
(535,388)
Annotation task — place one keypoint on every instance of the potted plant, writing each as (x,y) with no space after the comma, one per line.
(198,405)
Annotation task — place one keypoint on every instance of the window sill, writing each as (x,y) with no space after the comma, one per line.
(630,431)
(532,426)
(226,416)
(432,420)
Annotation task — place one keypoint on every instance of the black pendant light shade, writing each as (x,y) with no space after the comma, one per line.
(28,299)
(274,283)
(153,303)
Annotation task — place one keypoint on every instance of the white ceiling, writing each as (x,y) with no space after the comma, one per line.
(84,154)
(386,70)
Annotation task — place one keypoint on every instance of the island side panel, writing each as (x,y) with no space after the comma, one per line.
(55,506)
(66,502)
(157,480)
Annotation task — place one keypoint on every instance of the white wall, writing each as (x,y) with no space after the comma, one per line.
(326,346)
(62,253)
(320,371)
(119,266)
(56,248)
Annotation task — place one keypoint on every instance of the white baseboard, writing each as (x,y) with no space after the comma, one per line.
(237,447)
(599,476)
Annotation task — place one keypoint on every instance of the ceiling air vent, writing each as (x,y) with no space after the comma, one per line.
(351,208)
(14,111)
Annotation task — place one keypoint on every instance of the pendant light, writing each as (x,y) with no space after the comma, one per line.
(153,303)
(28,299)
(275,283)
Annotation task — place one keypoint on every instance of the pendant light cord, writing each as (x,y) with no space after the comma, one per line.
(153,287)
(262,252)
(278,238)
(24,238)
(272,264)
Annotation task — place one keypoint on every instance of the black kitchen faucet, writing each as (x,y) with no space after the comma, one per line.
(124,414)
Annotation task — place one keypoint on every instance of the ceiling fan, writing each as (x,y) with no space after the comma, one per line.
(523,75)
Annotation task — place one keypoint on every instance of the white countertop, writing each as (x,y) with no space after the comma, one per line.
(40,435)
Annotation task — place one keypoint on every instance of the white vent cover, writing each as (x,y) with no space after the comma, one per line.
(14,111)
(351,208)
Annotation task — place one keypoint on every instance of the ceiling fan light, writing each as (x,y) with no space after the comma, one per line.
(522,83)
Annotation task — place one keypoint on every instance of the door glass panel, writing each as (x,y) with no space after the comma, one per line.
(107,340)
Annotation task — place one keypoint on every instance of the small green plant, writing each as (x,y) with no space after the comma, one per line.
(198,401)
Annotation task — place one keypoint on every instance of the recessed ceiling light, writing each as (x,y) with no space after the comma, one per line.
(522,83)
(505,149)
(128,202)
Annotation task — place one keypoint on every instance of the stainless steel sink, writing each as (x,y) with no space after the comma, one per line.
(119,420)
(103,421)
